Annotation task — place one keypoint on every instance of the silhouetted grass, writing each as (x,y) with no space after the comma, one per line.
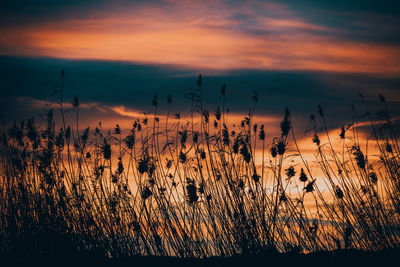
(190,187)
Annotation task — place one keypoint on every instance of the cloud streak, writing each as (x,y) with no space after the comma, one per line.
(202,35)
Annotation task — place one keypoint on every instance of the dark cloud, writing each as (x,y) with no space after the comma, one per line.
(121,83)
(359,20)
(385,6)
(15,13)
(373,21)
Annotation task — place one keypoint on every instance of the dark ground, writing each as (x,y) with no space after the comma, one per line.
(337,258)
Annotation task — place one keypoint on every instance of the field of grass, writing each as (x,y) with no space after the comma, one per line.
(198,186)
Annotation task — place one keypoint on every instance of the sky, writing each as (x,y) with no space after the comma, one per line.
(117,54)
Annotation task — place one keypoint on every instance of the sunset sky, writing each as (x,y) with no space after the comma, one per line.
(117,54)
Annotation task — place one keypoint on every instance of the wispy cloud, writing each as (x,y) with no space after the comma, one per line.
(203,35)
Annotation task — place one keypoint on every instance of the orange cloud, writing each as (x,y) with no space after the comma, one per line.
(201,36)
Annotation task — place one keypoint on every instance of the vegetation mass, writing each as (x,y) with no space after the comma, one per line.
(196,186)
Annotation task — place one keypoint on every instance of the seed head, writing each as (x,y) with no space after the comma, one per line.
(342,133)
(199,81)
(146,193)
(359,156)
(382,99)
(183,135)
(255,128)
(283,197)
(206,115)
(256,177)
(303,177)
(338,192)
(130,139)
(290,172)
(191,191)
(182,157)
(309,187)
(202,153)
(320,111)
(373,177)
(223,88)
(279,146)
(235,145)
(195,137)
(143,165)
(388,147)
(75,102)
(120,167)
(316,140)
(225,136)
(262,133)
(255,96)
(274,153)
(244,151)
(117,129)
(169,164)
(217,113)
(106,150)
(286,124)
